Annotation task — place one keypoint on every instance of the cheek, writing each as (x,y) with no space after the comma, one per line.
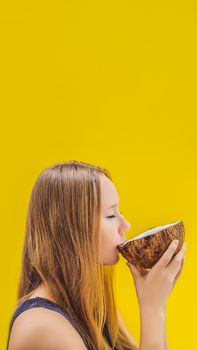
(108,229)
(108,235)
(108,251)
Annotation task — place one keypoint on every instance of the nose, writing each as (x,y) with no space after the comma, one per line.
(125,226)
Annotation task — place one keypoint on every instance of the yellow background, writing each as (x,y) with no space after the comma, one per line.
(111,83)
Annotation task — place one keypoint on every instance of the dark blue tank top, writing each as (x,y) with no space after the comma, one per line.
(48,304)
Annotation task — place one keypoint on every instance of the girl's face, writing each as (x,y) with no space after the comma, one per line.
(113,224)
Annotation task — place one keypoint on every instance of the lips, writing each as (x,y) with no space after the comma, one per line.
(121,243)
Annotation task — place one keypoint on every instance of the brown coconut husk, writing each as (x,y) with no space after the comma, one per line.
(146,249)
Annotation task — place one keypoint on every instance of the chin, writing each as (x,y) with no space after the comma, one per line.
(113,261)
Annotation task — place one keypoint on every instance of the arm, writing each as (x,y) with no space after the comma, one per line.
(165,336)
(43,329)
(152,329)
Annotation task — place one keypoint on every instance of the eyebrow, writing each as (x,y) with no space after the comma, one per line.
(114,205)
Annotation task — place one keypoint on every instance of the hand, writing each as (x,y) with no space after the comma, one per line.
(154,286)
(178,274)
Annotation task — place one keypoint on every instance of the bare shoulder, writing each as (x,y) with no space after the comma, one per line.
(44,329)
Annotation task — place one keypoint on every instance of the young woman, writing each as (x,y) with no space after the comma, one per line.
(65,298)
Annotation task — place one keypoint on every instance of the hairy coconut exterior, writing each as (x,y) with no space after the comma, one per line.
(146,251)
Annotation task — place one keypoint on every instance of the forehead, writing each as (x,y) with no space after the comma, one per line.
(109,195)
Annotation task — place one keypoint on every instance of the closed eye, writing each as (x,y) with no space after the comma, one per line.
(112,216)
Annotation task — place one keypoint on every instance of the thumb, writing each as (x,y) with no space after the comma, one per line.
(133,270)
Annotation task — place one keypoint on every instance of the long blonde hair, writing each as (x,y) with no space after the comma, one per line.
(61,250)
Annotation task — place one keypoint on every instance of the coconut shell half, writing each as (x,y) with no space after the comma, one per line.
(147,248)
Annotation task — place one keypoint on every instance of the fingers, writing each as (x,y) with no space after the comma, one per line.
(165,262)
(176,262)
(166,257)
(137,271)
(134,270)
(180,270)
(143,271)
